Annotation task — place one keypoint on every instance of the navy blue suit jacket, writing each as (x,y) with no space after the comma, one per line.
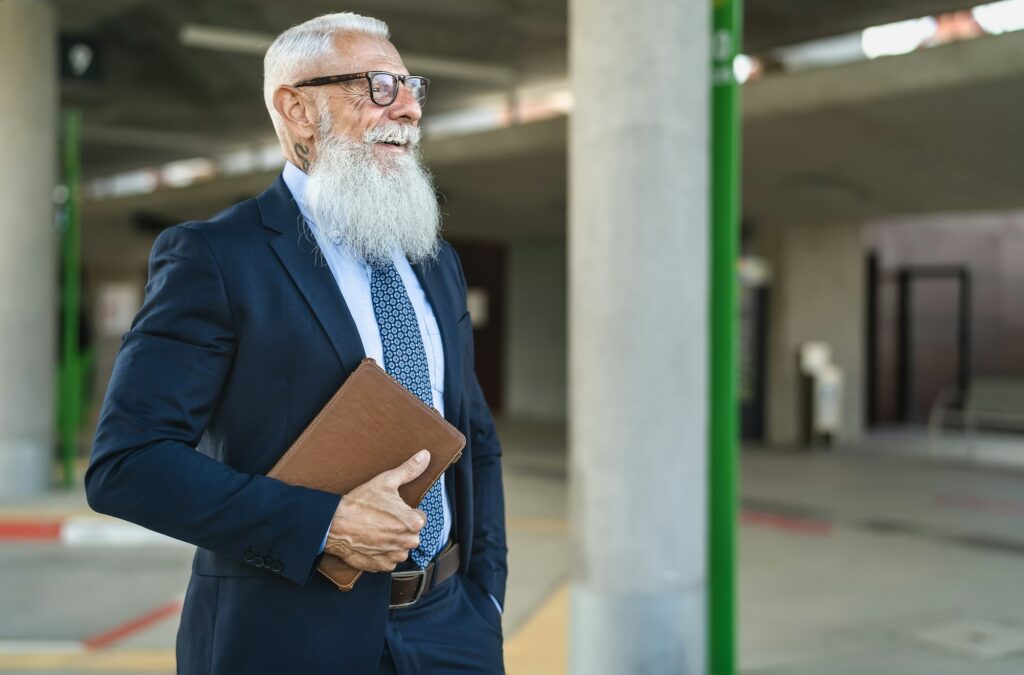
(242,337)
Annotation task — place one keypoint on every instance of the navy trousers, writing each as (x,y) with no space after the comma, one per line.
(455,628)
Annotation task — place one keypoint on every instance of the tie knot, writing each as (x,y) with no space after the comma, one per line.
(382,267)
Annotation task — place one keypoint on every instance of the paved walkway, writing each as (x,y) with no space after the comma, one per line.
(857,561)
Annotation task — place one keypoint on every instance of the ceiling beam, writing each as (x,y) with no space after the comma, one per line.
(128,137)
(224,39)
(255,43)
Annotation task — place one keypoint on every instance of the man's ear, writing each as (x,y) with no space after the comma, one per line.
(299,114)
(297,110)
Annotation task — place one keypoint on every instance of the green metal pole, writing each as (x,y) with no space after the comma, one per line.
(70,397)
(723,459)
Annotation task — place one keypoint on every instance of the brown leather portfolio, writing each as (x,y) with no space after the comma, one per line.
(370,425)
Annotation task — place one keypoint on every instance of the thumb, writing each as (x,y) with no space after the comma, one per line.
(409,470)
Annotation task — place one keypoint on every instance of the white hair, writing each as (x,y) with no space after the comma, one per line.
(294,53)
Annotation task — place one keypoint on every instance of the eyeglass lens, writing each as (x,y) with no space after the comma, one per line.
(384,88)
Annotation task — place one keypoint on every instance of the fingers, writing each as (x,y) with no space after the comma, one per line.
(415,519)
(402,522)
(371,563)
(373,525)
(385,562)
(408,471)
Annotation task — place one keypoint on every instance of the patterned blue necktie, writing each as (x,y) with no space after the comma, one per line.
(405,359)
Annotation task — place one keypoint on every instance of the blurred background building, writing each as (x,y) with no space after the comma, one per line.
(881,326)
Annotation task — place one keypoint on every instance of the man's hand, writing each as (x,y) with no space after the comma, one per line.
(373,529)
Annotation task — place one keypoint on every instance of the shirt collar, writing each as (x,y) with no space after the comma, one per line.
(295,179)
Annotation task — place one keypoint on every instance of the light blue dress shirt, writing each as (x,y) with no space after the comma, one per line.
(352,274)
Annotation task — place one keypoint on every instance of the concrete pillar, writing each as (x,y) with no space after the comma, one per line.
(817,293)
(28,256)
(638,268)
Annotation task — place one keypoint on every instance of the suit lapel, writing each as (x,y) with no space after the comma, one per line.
(296,248)
(444,311)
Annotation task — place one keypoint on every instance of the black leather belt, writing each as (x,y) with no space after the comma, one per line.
(408,585)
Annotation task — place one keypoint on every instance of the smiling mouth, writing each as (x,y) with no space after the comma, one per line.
(394,144)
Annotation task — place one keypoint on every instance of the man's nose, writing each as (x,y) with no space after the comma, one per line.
(405,107)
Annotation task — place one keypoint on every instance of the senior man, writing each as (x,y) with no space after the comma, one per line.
(251,321)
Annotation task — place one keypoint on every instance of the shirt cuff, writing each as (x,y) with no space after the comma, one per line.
(496,603)
(323,544)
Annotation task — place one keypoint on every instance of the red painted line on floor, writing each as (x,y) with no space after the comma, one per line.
(787,523)
(29,530)
(1006,507)
(132,626)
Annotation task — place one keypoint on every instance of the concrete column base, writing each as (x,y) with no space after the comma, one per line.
(24,466)
(654,633)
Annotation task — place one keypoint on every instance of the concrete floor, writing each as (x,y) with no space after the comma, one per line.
(854,561)
(914,570)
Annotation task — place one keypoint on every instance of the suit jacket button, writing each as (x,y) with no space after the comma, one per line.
(258,561)
(276,566)
(249,556)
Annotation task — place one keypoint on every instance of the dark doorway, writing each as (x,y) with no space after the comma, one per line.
(919,340)
(485,268)
(753,338)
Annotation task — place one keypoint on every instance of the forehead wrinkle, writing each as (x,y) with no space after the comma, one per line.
(367,53)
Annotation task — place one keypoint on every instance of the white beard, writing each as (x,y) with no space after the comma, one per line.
(374,205)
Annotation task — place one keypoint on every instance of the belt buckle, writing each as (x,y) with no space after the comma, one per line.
(420,586)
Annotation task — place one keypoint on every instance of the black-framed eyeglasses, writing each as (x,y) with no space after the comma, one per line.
(383,85)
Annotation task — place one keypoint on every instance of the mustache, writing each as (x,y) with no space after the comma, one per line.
(394,132)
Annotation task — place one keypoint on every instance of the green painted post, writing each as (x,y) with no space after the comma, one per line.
(723,458)
(70,397)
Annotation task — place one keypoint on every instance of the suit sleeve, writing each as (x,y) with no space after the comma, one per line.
(164,389)
(488,564)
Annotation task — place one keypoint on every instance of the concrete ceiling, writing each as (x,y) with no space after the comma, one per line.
(159,100)
(932,131)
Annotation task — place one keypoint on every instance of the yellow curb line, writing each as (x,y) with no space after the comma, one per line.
(153,660)
(540,646)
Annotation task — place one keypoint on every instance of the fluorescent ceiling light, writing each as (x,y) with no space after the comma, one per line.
(743,67)
(901,37)
(185,172)
(1000,17)
(224,39)
(830,51)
